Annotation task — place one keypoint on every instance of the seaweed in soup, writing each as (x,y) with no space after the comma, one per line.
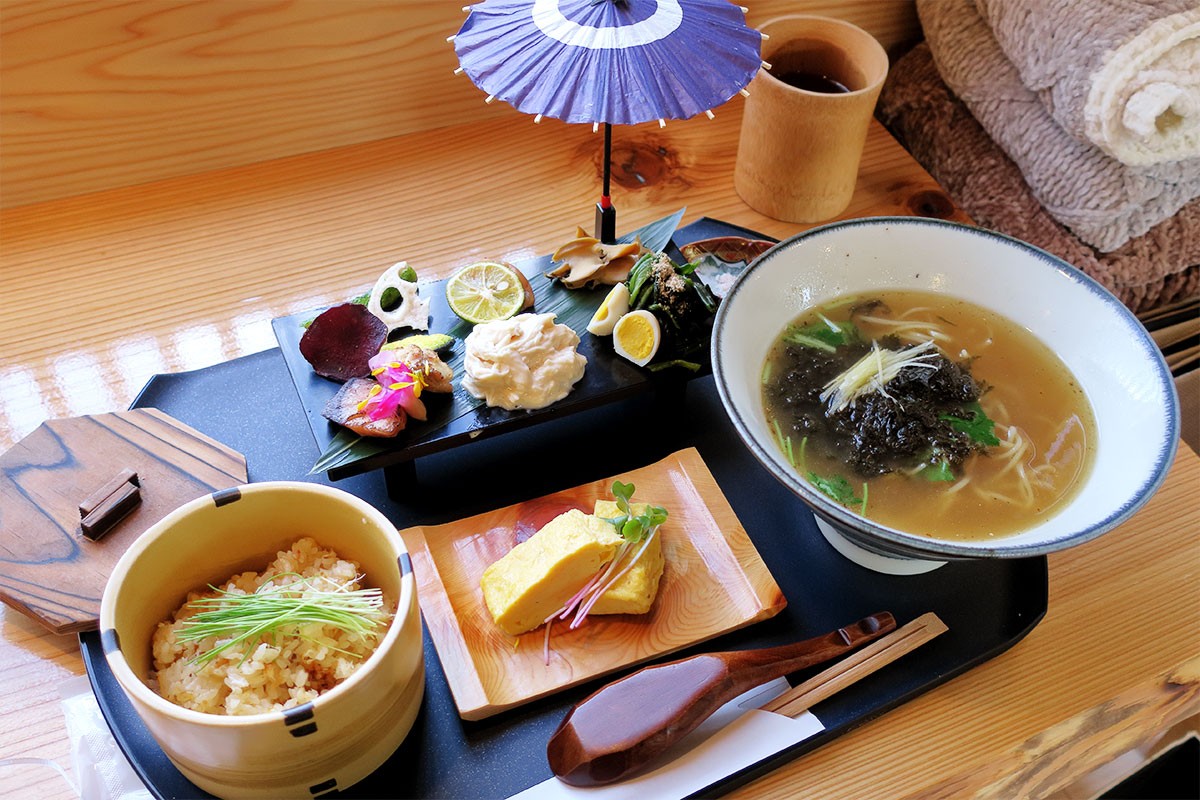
(955,421)
(879,432)
(911,424)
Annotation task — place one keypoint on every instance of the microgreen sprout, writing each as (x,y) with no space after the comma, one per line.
(633,526)
(638,530)
(238,619)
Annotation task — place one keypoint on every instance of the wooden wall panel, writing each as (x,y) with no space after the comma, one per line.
(97,94)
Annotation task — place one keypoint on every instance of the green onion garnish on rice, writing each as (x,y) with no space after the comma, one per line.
(240,618)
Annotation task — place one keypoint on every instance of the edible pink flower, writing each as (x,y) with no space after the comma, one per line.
(399,388)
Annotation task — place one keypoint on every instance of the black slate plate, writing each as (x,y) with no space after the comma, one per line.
(459,419)
(988,605)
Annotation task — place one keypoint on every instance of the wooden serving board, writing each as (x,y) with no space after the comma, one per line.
(714,582)
(50,572)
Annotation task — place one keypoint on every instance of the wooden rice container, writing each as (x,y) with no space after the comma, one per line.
(322,746)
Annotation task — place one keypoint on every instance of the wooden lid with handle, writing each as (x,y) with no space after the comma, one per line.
(76,492)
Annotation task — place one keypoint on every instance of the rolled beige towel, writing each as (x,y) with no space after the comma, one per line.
(1104,202)
(1156,268)
(1123,74)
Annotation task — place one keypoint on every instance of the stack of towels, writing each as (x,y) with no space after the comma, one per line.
(1071,124)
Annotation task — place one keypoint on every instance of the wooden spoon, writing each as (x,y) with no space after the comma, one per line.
(623,726)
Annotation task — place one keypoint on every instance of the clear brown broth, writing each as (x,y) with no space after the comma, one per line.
(1028,387)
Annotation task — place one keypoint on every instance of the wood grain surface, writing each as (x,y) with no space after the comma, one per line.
(1113,667)
(714,582)
(95,96)
(599,741)
(189,272)
(828,682)
(50,571)
(100,291)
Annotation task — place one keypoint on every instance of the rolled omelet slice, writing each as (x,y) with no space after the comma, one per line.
(539,575)
(634,593)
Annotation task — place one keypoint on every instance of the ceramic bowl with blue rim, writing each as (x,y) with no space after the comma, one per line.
(1114,360)
(321,746)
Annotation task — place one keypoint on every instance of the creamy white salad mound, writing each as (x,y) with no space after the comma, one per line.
(525,362)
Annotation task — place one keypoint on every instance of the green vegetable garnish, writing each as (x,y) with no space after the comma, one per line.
(638,530)
(241,618)
(633,527)
(838,489)
(940,472)
(639,275)
(826,335)
(389,298)
(361,300)
(430,341)
(785,442)
(691,366)
(976,425)
(795,337)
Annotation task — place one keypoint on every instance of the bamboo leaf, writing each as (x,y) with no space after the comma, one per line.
(656,235)
(571,307)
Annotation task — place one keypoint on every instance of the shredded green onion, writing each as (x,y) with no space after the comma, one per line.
(809,341)
(239,619)
(872,372)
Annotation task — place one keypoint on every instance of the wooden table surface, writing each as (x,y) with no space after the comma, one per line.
(101,291)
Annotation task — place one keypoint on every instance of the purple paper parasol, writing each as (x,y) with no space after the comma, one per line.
(609,61)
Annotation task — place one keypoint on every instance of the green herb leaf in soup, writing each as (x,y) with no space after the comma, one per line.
(975,424)
(837,488)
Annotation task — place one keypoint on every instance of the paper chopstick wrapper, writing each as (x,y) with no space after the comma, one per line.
(737,736)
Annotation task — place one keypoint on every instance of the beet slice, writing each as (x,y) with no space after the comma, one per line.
(341,340)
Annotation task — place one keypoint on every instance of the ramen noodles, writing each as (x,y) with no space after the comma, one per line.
(928,414)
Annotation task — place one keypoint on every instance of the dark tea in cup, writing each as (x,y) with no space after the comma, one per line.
(813,82)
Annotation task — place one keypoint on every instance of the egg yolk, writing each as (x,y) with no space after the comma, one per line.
(637,337)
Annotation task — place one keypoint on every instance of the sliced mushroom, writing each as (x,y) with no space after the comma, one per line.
(587,262)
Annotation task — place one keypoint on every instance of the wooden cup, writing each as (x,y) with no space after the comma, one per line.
(799,150)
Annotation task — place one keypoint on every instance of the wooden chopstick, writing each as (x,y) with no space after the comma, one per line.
(861,663)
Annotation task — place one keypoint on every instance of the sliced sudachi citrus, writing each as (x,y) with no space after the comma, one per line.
(485,291)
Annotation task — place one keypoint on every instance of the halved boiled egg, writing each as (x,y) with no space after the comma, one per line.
(637,337)
(615,305)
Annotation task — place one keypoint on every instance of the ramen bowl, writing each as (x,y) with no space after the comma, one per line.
(323,745)
(1112,358)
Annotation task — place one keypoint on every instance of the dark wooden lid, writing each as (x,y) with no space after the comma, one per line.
(48,569)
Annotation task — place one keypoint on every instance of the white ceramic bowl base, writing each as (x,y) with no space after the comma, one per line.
(1114,360)
(889,565)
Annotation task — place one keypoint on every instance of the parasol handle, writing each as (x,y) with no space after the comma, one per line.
(606,213)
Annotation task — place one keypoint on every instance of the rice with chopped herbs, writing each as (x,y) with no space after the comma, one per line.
(274,670)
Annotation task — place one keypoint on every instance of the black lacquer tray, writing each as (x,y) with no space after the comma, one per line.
(459,420)
(988,605)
